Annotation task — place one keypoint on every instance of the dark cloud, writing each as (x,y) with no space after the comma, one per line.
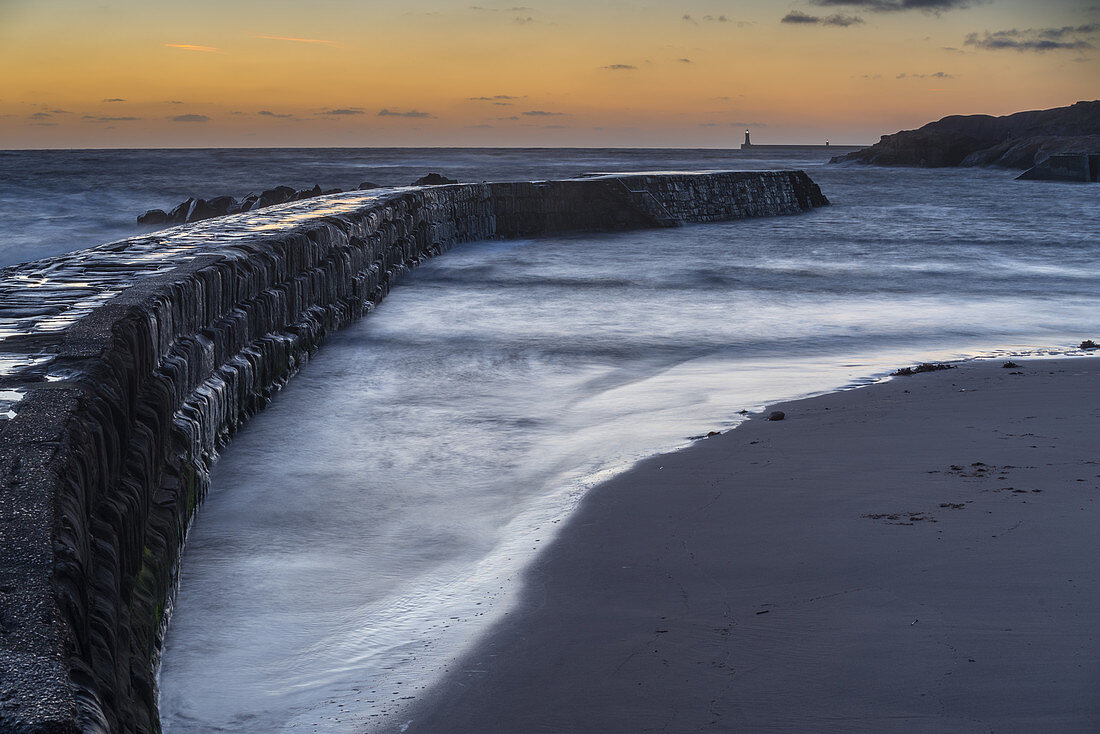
(410,113)
(542,113)
(340,111)
(61,112)
(1034,39)
(619,67)
(174,101)
(513,117)
(554,127)
(495,98)
(39,115)
(114,99)
(190,118)
(95,118)
(715,19)
(482,126)
(799,18)
(685,61)
(523,19)
(936,75)
(890,6)
(269,113)
(748,124)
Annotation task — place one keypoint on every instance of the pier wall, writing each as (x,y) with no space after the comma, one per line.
(125,367)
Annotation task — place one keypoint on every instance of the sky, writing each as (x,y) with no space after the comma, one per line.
(688,73)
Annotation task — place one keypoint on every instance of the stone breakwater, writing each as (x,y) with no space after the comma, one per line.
(124,367)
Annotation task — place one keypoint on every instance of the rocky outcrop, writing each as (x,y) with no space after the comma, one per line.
(196,210)
(124,368)
(1079,167)
(1013,141)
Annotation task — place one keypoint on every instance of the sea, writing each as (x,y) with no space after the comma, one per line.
(376,520)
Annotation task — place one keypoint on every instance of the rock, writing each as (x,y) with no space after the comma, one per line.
(433,179)
(1010,365)
(222,204)
(179,214)
(307,193)
(333,191)
(201,209)
(776,415)
(1012,141)
(1088,345)
(1081,167)
(368,185)
(277,195)
(153,216)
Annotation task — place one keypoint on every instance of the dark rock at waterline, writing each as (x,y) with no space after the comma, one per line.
(433,179)
(1012,141)
(368,185)
(1088,345)
(1009,365)
(195,209)
(776,415)
(153,216)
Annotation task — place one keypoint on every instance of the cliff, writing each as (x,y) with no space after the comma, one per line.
(125,367)
(1013,141)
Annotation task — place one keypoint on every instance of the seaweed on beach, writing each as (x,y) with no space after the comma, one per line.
(925,367)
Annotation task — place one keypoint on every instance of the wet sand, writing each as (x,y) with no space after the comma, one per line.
(917,556)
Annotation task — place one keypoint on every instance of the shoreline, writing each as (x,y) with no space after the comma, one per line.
(929,580)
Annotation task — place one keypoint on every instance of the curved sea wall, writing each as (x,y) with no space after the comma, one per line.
(124,367)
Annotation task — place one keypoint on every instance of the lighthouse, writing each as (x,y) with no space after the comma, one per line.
(747,143)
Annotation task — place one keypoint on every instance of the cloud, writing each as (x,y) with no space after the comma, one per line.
(318,41)
(410,113)
(748,124)
(542,113)
(192,47)
(685,61)
(94,118)
(343,111)
(269,113)
(61,112)
(799,18)
(715,19)
(174,101)
(482,126)
(892,6)
(190,118)
(495,99)
(619,67)
(554,127)
(936,75)
(114,99)
(1034,39)
(39,115)
(686,17)
(523,20)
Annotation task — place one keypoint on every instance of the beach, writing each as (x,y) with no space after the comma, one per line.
(917,555)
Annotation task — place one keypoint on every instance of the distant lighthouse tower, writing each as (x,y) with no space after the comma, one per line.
(748,143)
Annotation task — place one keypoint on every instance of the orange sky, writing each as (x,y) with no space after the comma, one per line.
(692,73)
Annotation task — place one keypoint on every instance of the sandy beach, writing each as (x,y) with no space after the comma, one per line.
(916,556)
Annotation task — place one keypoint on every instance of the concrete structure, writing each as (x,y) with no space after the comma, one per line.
(124,367)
